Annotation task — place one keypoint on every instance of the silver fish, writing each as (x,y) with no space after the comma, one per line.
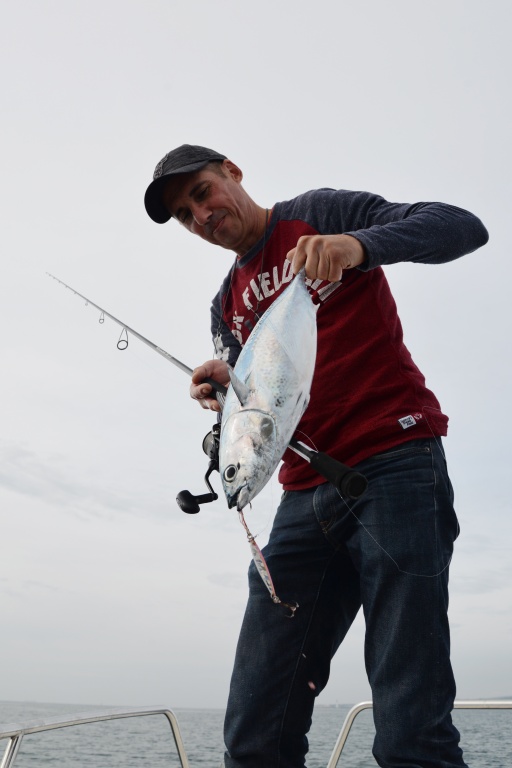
(269,392)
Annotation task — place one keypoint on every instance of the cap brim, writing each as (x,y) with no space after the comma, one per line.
(153,200)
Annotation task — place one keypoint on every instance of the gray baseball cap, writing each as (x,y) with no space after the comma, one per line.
(185,159)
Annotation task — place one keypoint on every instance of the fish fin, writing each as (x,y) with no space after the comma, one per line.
(242,391)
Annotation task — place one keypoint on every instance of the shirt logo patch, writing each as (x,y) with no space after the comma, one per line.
(407,421)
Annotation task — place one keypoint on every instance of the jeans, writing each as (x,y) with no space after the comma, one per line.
(389,552)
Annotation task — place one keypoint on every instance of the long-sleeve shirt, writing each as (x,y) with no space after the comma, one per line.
(367,393)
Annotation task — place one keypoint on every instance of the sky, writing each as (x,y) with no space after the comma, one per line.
(109,594)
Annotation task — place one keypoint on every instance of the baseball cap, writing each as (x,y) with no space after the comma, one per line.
(185,159)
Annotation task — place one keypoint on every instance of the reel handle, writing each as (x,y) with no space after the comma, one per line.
(190,504)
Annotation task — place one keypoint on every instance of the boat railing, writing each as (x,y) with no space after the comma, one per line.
(358,708)
(14,732)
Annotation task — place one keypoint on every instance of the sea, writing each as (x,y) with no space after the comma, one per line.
(146,742)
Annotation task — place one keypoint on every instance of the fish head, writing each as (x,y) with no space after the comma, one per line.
(247,454)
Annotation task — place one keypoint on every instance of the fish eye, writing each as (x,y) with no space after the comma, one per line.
(230,472)
(266,427)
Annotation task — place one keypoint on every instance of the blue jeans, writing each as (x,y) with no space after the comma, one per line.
(389,552)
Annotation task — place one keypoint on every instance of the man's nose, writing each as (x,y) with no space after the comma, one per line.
(201,214)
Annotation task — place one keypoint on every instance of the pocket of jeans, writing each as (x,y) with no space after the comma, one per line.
(413,448)
(329,509)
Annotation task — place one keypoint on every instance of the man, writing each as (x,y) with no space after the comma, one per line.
(389,551)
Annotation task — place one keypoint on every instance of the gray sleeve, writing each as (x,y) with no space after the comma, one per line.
(427,233)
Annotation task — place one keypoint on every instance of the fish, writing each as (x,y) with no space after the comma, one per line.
(269,392)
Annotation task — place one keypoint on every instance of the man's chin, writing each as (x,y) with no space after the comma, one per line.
(224,240)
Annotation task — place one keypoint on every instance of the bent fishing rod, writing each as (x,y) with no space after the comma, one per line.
(347,481)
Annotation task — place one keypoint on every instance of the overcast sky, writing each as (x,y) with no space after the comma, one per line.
(109,594)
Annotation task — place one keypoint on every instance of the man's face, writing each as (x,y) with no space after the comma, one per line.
(213,206)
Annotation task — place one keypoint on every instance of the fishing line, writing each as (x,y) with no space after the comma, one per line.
(439,443)
(307,437)
(436,438)
(122,343)
(382,548)
(262,568)
(259,503)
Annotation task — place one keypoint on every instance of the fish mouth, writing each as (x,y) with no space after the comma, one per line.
(234,499)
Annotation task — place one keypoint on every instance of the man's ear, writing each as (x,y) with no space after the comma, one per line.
(232,170)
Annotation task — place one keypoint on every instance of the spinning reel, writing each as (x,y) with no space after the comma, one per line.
(350,483)
(186,501)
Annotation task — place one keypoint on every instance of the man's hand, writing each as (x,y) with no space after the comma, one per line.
(202,392)
(326,256)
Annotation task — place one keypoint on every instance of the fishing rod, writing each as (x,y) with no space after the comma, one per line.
(349,483)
